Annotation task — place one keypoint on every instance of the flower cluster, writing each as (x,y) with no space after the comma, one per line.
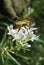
(22,35)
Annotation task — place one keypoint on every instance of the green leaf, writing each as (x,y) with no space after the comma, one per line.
(3,23)
(26,58)
(2,58)
(13,58)
(41,41)
(4,38)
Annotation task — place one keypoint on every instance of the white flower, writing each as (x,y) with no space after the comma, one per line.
(10,27)
(26,45)
(12,31)
(34,37)
(31,30)
(16,37)
(23,34)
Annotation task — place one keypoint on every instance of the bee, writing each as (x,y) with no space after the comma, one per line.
(23,23)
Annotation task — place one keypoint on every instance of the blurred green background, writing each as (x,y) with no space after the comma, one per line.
(36,54)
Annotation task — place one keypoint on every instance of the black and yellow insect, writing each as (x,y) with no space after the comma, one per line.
(23,23)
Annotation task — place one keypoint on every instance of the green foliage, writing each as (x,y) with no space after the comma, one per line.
(35,55)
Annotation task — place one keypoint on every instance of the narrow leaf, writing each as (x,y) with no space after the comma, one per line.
(13,58)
